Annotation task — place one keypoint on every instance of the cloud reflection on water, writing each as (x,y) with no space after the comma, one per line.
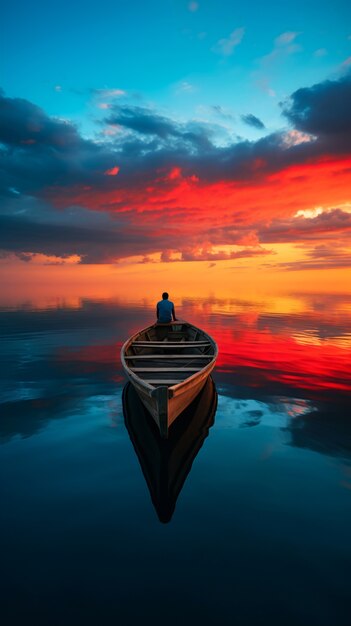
(286,369)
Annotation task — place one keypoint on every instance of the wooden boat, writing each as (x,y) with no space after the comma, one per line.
(166,463)
(168,364)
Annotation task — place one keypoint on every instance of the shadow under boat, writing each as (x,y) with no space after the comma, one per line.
(167,462)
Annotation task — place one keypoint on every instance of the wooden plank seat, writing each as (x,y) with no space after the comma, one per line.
(169,344)
(166,357)
(164,382)
(166,369)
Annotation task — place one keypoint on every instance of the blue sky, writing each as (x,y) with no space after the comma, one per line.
(182,57)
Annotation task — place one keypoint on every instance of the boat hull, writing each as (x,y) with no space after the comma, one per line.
(166,403)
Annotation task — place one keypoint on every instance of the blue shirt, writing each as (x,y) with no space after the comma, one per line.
(164,311)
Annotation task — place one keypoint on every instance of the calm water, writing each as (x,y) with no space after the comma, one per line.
(260,533)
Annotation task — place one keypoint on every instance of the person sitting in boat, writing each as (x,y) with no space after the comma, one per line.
(165,310)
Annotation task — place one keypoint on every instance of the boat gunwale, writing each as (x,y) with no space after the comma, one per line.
(173,390)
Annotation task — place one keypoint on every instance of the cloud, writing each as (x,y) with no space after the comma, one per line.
(321,257)
(113,171)
(226,46)
(345,65)
(177,187)
(108,93)
(43,151)
(219,110)
(284,45)
(296,137)
(23,123)
(208,254)
(286,38)
(324,251)
(252,120)
(263,84)
(40,152)
(145,121)
(29,227)
(326,225)
(185,87)
(322,110)
(149,144)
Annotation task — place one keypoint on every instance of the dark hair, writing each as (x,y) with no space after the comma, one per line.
(165,295)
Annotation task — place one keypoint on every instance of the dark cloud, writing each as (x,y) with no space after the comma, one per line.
(38,151)
(204,255)
(252,120)
(339,261)
(156,142)
(46,151)
(327,225)
(25,124)
(143,121)
(44,157)
(333,255)
(322,110)
(97,238)
(147,122)
(23,236)
(28,227)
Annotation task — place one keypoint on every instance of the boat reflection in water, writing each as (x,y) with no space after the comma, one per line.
(167,462)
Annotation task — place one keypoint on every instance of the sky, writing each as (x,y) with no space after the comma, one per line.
(173,138)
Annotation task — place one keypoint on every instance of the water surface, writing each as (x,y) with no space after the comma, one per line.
(261,527)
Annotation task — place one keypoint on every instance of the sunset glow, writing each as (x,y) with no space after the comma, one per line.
(114,176)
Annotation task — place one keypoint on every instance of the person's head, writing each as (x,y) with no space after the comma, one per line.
(165,295)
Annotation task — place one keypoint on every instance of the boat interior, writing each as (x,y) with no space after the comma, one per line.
(167,354)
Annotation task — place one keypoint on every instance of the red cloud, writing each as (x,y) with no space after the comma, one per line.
(113,171)
(176,188)
(326,182)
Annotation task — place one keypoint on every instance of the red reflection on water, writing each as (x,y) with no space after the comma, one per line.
(265,357)
(281,358)
(308,351)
